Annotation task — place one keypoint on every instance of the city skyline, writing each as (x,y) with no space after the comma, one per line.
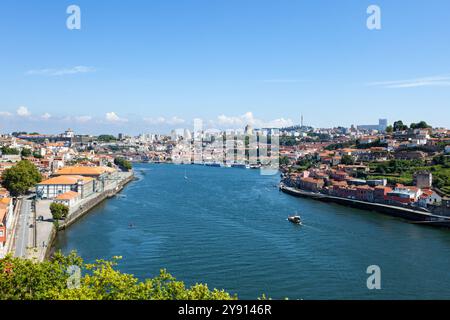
(155,66)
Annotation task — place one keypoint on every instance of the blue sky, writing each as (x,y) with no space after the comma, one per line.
(149,66)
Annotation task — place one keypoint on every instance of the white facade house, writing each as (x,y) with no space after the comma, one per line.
(68,199)
(56,186)
(429,197)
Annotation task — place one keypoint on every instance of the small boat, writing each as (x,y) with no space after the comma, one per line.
(295,219)
(185,175)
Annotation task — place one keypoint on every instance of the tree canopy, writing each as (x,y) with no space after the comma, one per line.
(106,138)
(420,125)
(25,152)
(123,164)
(59,211)
(9,151)
(21,177)
(57,280)
(399,126)
(347,160)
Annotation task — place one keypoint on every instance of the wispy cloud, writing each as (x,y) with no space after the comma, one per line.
(60,72)
(436,81)
(83,119)
(5,114)
(161,121)
(46,116)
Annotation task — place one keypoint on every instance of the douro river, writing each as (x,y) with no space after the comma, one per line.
(227,227)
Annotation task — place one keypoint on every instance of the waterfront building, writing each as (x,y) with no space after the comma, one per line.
(311,184)
(53,187)
(404,195)
(69,199)
(93,172)
(365,193)
(380,193)
(429,198)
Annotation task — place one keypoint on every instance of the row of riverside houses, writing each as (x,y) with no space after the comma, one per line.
(339,183)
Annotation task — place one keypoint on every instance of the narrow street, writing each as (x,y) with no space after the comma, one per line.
(24,232)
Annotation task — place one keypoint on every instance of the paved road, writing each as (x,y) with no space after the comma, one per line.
(23,231)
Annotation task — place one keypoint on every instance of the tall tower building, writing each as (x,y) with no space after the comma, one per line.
(382,124)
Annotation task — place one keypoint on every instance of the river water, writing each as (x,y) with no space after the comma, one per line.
(227,227)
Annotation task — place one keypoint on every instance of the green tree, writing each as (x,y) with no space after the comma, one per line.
(399,126)
(123,164)
(106,138)
(27,280)
(59,211)
(420,125)
(25,153)
(9,151)
(37,155)
(21,177)
(389,129)
(284,160)
(347,160)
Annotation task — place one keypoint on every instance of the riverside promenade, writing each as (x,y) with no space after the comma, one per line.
(46,230)
(416,216)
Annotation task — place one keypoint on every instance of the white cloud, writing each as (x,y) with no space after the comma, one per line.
(113,117)
(161,120)
(46,116)
(279,123)
(175,120)
(5,114)
(242,120)
(248,118)
(61,72)
(23,112)
(436,81)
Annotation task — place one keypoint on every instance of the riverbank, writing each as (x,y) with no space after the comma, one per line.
(46,230)
(416,216)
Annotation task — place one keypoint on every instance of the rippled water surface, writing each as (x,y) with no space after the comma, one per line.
(227,227)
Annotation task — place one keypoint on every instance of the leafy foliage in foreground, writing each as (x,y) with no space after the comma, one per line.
(27,280)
